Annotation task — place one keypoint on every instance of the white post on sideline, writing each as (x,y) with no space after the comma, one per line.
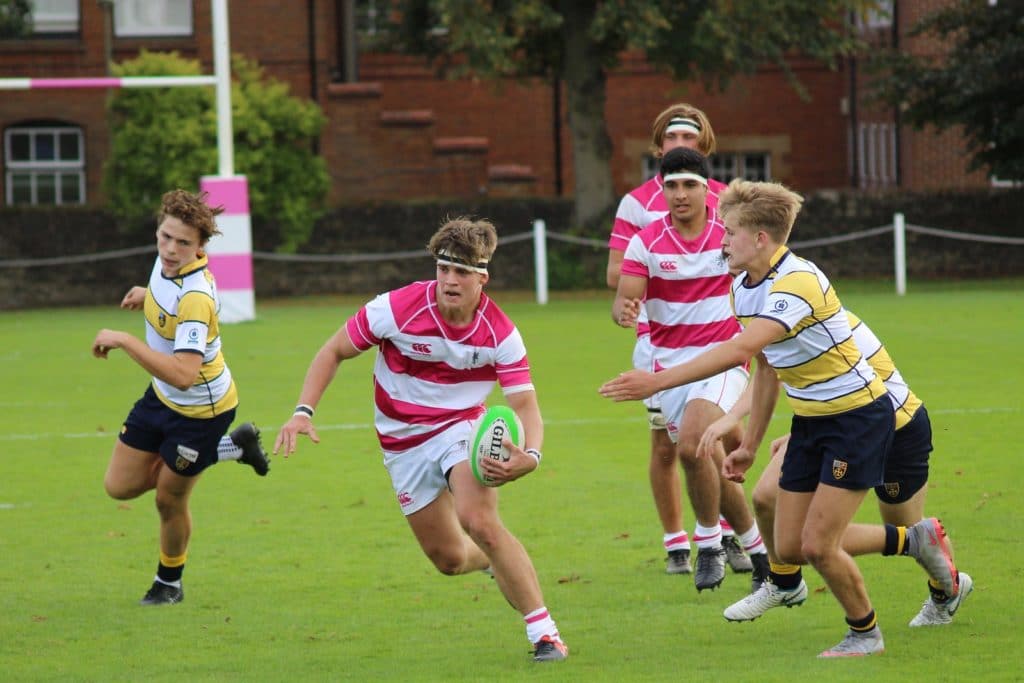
(540,260)
(899,236)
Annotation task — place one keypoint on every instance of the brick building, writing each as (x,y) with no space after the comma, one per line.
(394,124)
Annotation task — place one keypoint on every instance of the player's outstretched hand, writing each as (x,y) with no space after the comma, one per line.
(714,433)
(519,464)
(105,341)
(134,299)
(629,386)
(736,464)
(288,436)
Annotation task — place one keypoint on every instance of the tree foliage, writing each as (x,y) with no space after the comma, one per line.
(15,18)
(579,43)
(164,138)
(976,82)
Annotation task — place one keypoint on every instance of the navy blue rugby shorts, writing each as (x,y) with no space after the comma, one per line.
(187,445)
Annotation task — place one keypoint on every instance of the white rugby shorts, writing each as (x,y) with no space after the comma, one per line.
(643,359)
(723,390)
(417,475)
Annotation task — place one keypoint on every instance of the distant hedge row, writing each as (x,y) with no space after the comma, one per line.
(383,227)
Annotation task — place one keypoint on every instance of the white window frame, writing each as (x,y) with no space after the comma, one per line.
(37,168)
(876,155)
(55,16)
(877,17)
(738,162)
(152,18)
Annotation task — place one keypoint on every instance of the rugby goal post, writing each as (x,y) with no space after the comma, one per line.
(230,253)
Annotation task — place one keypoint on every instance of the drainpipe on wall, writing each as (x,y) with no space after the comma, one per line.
(107,7)
(311,30)
(854,147)
(896,113)
(346,37)
(556,125)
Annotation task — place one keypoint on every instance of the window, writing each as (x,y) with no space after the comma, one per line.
(724,166)
(44,164)
(144,18)
(878,17)
(55,16)
(876,155)
(747,165)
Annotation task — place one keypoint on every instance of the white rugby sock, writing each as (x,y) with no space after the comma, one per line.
(752,542)
(539,624)
(676,541)
(227,450)
(708,536)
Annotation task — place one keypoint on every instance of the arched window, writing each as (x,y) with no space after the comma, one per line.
(44,163)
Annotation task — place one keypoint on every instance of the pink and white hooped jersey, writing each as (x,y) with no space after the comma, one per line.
(688,286)
(639,208)
(428,374)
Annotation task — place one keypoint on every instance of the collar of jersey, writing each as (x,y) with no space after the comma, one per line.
(198,264)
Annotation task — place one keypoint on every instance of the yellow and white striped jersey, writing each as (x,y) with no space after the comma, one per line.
(904,401)
(818,362)
(181,315)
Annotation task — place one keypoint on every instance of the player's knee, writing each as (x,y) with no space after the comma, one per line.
(790,553)
(686,450)
(170,506)
(120,488)
(484,532)
(763,499)
(447,562)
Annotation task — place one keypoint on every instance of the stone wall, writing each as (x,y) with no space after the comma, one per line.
(371,228)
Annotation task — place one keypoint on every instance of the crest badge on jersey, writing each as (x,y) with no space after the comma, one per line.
(161,319)
(780,306)
(892,489)
(839,469)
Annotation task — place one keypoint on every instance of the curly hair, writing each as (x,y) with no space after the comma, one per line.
(191,209)
(473,241)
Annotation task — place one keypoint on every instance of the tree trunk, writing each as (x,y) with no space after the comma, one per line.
(585,83)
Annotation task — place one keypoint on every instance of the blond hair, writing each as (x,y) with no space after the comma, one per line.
(771,207)
(705,139)
(472,241)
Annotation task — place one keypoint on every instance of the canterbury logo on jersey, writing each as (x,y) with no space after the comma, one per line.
(668,266)
(421,348)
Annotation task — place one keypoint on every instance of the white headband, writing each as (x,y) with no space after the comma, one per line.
(446,258)
(684,124)
(686,176)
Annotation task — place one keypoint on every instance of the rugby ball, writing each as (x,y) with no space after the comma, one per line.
(488,432)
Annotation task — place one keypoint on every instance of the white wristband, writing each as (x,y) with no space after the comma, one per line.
(303,409)
(535,453)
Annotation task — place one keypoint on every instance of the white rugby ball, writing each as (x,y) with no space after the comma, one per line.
(489,430)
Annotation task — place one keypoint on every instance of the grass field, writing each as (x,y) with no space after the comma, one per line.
(311,574)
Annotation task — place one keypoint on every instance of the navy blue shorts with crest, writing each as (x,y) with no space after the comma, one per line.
(847,450)
(906,468)
(187,445)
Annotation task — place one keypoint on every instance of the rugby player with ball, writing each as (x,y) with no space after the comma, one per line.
(442,344)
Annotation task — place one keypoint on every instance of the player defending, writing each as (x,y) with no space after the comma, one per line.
(843,420)
(675,267)
(442,344)
(686,126)
(900,498)
(177,429)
